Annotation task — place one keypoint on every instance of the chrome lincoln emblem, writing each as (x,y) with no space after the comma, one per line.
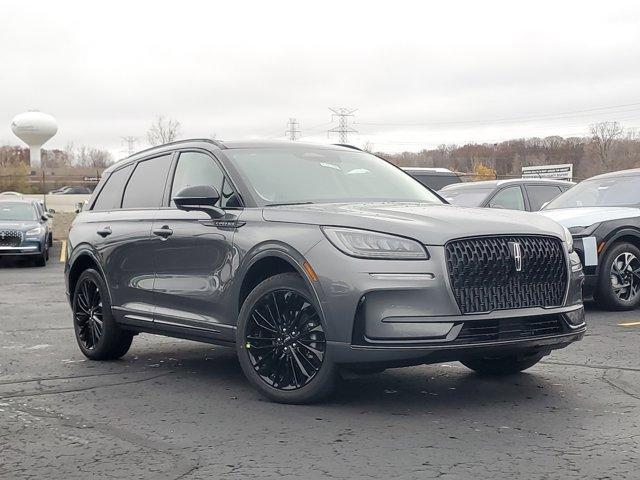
(516,253)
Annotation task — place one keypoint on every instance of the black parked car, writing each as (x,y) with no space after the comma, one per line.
(24,230)
(77,190)
(603,214)
(434,178)
(527,194)
(310,260)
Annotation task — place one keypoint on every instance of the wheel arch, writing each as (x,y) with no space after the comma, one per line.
(625,234)
(268,260)
(82,259)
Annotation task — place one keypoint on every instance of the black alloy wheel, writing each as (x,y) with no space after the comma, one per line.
(87,314)
(285,340)
(97,333)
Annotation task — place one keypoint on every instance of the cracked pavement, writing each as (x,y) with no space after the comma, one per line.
(173,409)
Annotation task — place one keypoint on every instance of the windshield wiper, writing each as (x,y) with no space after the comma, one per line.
(287,203)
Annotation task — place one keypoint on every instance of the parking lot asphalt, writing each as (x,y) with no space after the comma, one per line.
(173,409)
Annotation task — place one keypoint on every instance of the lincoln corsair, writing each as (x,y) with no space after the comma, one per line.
(312,261)
(24,230)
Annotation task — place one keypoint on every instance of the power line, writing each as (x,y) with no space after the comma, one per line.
(343,129)
(558,115)
(293,132)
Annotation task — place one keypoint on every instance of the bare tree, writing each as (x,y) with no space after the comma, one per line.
(604,134)
(92,157)
(367,146)
(163,130)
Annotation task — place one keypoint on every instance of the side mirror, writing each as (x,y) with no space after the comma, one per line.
(51,211)
(202,198)
(44,218)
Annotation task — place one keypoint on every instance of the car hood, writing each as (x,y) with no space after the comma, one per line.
(428,223)
(586,216)
(17,225)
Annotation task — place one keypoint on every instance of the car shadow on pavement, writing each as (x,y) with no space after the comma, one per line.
(444,387)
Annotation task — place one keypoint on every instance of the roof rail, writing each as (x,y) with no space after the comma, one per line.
(346,145)
(217,143)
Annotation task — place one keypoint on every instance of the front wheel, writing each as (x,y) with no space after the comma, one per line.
(506,365)
(41,259)
(619,279)
(281,342)
(97,334)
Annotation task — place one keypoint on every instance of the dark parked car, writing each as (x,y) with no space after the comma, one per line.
(24,230)
(434,178)
(527,194)
(78,190)
(310,260)
(603,214)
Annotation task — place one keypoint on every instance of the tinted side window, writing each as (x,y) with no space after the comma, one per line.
(146,186)
(196,168)
(541,194)
(510,198)
(111,194)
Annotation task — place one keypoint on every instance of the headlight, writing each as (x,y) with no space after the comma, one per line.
(35,231)
(568,239)
(584,231)
(366,244)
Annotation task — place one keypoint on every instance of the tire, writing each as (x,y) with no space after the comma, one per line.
(609,294)
(293,368)
(507,365)
(41,260)
(97,342)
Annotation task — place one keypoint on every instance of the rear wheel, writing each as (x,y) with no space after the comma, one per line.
(281,342)
(505,365)
(619,279)
(97,334)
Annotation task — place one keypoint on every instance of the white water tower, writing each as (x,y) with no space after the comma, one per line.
(34,128)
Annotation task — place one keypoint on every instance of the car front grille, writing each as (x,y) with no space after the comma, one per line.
(475,331)
(10,238)
(484,276)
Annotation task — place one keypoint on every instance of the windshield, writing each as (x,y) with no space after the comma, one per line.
(603,192)
(466,197)
(307,175)
(17,211)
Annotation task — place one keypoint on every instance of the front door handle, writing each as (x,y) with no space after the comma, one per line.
(164,232)
(104,232)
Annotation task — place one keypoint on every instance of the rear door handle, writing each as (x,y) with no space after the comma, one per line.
(164,232)
(104,232)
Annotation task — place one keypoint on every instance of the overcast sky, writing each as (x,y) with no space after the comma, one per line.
(419,73)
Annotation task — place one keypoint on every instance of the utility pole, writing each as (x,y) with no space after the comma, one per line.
(293,131)
(130,142)
(343,129)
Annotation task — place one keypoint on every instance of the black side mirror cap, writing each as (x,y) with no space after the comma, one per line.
(201,198)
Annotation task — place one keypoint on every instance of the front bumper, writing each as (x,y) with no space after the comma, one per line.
(27,248)
(389,311)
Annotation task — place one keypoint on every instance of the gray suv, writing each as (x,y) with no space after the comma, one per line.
(310,261)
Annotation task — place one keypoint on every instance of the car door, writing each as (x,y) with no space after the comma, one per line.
(122,235)
(195,255)
(510,198)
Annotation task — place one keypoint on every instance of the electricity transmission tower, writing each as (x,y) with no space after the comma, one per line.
(343,129)
(293,132)
(130,143)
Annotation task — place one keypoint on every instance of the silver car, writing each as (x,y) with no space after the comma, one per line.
(311,261)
